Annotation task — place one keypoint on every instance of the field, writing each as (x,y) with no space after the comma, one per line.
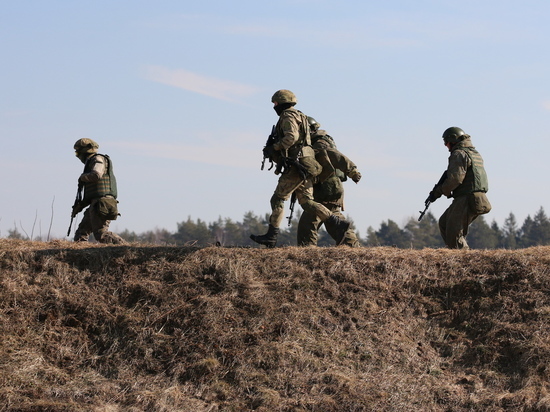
(87,327)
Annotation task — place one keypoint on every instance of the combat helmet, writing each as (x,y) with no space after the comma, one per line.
(454,135)
(85,146)
(314,125)
(284,96)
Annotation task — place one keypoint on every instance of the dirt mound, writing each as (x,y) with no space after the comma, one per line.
(138,328)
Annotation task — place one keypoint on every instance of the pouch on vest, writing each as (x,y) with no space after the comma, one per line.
(107,208)
(312,166)
(479,203)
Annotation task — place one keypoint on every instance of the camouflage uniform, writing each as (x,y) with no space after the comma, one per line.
(293,146)
(329,192)
(100,192)
(467,183)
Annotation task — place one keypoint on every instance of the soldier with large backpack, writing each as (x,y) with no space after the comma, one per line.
(466,182)
(98,184)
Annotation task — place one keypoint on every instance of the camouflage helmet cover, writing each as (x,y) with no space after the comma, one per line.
(284,96)
(454,135)
(85,146)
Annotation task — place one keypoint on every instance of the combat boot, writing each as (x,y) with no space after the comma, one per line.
(341,226)
(269,239)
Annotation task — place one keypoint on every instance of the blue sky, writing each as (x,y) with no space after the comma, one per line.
(178,94)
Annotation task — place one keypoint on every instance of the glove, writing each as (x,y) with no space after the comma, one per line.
(355,175)
(268,151)
(433,196)
(77,209)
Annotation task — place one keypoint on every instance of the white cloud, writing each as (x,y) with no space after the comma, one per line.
(212,154)
(209,86)
(546,105)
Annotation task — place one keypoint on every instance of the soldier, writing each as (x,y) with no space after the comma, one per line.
(328,191)
(466,182)
(297,166)
(100,193)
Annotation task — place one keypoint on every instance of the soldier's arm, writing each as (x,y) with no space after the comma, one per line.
(97,172)
(456,171)
(291,133)
(341,161)
(344,163)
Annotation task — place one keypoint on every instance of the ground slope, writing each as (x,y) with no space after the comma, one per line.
(143,328)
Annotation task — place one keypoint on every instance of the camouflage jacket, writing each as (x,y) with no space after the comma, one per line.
(336,168)
(292,131)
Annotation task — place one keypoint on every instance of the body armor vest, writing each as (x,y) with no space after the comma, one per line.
(302,147)
(106,185)
(476,177)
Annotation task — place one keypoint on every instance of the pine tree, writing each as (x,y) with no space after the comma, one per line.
(510,232)
(481,236)
(390,234)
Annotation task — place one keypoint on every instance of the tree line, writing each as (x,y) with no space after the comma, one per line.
(534,231)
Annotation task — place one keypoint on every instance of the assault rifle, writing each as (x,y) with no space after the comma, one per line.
(292,204)
(76,204)
(268,149)
(429,200)
(303,174)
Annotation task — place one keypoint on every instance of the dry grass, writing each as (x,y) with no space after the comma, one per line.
(144,328)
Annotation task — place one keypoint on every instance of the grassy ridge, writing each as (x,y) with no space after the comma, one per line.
(136,328)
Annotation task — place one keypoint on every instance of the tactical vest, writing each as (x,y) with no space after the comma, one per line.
(476,177)
(302,147)
(106,185)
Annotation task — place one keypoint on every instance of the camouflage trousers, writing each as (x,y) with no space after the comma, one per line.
(309,225)
(289,183)
(454,222)
(92,222)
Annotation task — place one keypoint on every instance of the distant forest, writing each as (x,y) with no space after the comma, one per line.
(534,231)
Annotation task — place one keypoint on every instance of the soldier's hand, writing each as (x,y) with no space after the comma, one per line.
(355,175)
(432,197)
(269,151)
(76,210)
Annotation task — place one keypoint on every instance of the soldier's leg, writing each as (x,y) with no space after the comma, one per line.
(82,233)
(350,238)
(100,229)
(308,227)
(454,222)
(304,194)
(287,183)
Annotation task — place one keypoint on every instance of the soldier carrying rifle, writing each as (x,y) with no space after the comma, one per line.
(296,165)
(465,180)
(100,192)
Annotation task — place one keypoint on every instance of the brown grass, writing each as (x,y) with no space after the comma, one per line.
(144,328)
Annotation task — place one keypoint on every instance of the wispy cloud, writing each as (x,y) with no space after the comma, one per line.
(209,86)
(208,154)
(546,104)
